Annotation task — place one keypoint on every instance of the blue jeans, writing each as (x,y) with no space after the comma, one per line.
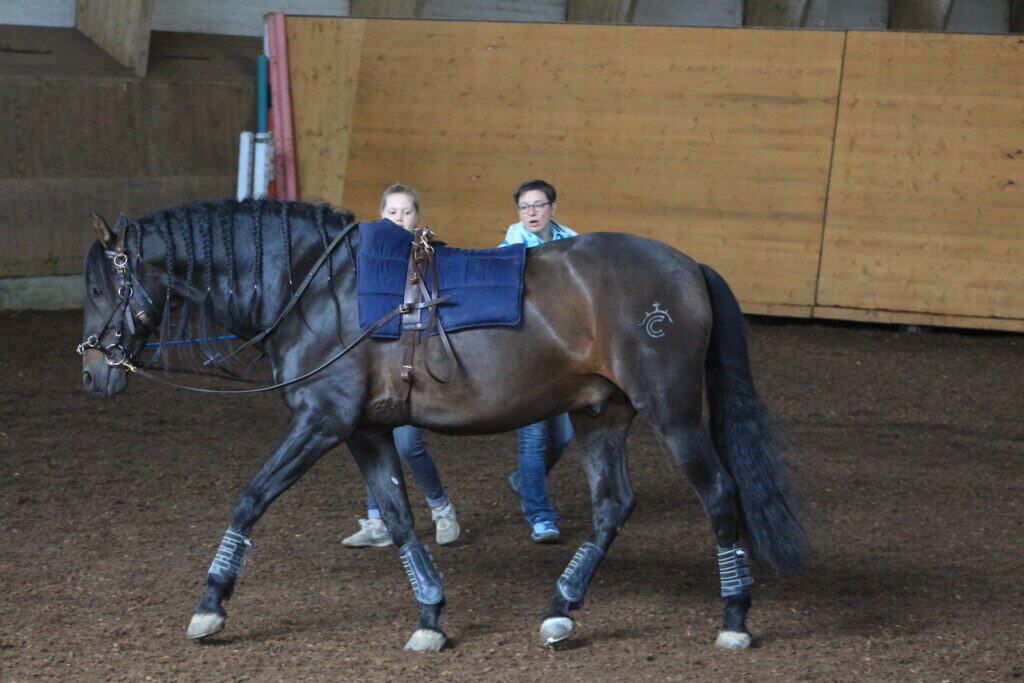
(541,446)
(409,443)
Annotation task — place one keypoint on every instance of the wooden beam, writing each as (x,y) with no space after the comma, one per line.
(1016,16)
(782,13)
(120,27)
(920,15)
(601,11)
(399,9)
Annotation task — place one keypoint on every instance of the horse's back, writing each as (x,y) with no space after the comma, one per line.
(607,250)
(618,272)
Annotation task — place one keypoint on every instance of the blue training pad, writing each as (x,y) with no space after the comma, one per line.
(486,285)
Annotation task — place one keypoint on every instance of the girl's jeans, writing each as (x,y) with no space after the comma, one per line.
(409,443)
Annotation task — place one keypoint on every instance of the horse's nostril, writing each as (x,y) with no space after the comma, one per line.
(87,379)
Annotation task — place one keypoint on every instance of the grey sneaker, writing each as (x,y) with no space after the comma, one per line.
(446,527)
(370,535)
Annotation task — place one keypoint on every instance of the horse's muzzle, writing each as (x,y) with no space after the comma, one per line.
(99,378)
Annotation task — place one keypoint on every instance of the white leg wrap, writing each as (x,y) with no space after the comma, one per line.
(229,561)
(734,571)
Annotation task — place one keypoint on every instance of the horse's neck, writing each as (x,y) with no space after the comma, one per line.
(242,300)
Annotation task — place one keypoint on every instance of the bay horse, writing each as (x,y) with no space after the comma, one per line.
(616,325)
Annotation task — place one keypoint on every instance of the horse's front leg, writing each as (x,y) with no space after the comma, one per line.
(374,451)
(309,436)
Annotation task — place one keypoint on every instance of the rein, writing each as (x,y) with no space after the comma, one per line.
(373,328)
(295,296)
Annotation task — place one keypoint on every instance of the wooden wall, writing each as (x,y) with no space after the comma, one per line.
(724,143)
(82,134)
(678,136)
(926,209)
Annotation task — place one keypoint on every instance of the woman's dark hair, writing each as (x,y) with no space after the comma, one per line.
(544,186)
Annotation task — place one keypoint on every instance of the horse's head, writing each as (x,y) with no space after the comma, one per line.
(118,318)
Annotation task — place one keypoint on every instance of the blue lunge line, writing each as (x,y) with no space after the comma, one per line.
(192,341)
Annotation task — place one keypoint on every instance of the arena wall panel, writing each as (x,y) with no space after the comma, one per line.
(926,204)
(715,141)
(82,134)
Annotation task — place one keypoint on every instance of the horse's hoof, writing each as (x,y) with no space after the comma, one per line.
(205,624)
(733,640)
(555,630)
(426,640)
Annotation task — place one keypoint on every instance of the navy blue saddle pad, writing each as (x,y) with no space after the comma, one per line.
(486,285)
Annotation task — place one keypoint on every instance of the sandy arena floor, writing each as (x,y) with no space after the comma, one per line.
(910,448)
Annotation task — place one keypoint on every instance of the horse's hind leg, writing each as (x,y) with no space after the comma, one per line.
(376,456)
(308,438)
(691,447)
(602,439)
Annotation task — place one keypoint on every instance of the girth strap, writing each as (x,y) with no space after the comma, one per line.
(417,297)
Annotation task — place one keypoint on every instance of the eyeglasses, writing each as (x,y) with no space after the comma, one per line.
(536,206)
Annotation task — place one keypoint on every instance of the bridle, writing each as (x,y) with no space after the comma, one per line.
(128,285)
(133,303)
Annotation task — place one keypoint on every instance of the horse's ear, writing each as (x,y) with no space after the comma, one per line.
(121,223)
(103,231)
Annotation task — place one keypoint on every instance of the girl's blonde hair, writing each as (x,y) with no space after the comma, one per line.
(398,188)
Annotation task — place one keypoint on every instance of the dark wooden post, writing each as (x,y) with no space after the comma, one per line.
(601,11)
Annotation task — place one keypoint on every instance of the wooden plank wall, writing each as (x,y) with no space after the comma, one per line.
(719,142)
(82,134)
(714,141)
(926,207)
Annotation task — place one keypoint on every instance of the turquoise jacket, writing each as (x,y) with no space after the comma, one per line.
(518,234)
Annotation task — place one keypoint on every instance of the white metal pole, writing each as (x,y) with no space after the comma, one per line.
(245,154)
(262,165)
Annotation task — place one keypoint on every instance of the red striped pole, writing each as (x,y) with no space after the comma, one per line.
(281,103)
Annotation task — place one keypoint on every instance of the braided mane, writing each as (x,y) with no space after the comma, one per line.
(216,258)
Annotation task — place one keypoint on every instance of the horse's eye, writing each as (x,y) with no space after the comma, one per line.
(96,292)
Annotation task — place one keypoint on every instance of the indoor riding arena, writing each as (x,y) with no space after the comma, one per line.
(853,170)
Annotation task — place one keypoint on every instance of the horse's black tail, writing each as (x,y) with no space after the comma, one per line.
(743,434)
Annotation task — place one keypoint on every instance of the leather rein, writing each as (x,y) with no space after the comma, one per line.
(127,283)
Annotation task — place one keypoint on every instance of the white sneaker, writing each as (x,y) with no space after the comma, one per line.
(371,534)
(446,527)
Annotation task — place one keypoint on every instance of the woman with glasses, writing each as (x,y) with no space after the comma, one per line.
(401,205)
(541,444)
